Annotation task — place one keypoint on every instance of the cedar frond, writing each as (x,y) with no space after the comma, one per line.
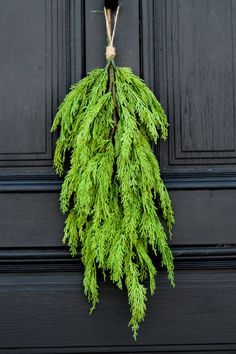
(113,191)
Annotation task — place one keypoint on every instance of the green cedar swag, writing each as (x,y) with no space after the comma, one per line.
(116,201)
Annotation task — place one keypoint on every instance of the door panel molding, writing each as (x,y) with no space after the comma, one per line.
(176,74)
(38,77)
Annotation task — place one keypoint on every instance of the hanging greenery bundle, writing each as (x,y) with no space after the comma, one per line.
(113,193)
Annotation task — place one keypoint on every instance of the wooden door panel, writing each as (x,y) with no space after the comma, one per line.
(204,217)
(196,66)
(33,55)
(34,219)
(30,220)
(49,312)
(185,51)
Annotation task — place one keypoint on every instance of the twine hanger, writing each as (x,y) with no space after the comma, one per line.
(110,49)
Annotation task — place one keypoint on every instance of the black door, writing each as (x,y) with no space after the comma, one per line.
(185,50)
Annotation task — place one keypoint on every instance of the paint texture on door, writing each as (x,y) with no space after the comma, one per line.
(185,51)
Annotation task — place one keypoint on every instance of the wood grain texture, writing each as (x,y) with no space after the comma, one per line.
(196,79)
(206,59)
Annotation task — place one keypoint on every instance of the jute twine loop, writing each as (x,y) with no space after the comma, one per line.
(110,49)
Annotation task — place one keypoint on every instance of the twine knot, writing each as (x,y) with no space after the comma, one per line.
(110,52)
(110,49)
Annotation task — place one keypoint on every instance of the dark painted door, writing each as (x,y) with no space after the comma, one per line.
(185,50)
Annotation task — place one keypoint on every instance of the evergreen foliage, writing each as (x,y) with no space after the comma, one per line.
(116,201)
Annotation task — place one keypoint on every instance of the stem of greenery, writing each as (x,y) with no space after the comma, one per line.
(112,89)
